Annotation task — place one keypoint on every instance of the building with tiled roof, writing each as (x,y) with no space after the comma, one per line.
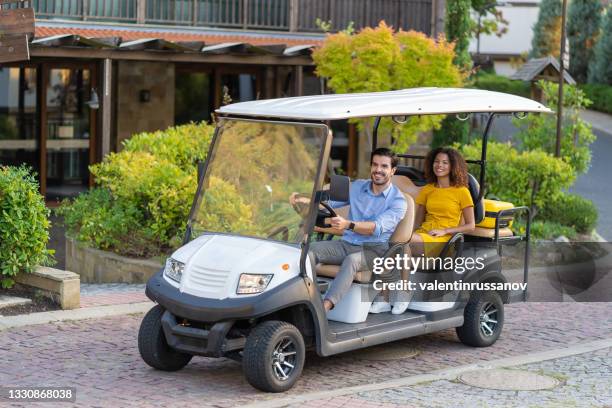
(99,72)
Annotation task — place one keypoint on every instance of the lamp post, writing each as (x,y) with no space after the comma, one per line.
(561,70)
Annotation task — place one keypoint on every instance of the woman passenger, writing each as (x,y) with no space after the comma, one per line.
(439,207)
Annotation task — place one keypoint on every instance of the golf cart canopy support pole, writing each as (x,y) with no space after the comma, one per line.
(483,155)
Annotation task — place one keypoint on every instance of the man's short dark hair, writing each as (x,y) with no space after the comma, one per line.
(385,151)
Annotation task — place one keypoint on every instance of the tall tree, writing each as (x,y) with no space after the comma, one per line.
(458,30)
(379,59)
(600,70)
(547,30)
(583,24)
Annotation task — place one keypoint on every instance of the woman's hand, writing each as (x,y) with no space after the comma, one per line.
(437,232)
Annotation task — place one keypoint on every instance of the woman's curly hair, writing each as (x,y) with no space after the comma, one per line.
(458,171)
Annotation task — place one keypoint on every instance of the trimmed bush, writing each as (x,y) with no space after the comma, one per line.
(530,178)
(546,230)
(571,210)
(143,194)
(24,224)
(600,95)
(498,83)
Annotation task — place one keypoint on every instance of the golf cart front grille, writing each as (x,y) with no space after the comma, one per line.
(207,278)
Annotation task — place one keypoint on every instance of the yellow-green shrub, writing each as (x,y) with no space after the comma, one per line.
(143,194)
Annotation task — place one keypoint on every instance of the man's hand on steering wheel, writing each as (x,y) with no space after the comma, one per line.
(339,222)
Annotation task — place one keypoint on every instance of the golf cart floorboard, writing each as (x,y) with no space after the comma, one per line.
(375,323)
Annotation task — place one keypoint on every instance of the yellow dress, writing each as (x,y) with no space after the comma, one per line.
(443,209)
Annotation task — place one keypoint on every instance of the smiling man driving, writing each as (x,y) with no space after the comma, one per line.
(376,207)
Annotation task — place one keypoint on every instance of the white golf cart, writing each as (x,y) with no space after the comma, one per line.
(243,286)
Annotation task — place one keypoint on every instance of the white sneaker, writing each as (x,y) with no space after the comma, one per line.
(380,307)
(399,307)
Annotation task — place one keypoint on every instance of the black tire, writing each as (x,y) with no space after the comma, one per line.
(482,334)
(262,367)
(153,347)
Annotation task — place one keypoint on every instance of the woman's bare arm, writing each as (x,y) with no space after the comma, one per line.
(469,226)
(419,216)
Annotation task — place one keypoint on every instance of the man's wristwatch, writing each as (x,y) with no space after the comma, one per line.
(351,226)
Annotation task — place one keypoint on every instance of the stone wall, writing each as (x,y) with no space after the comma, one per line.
(95,266)
(133,115)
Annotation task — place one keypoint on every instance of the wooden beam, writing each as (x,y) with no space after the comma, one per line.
(141,11)
(13,48)
(294,16)
(84,53)
(105,99)
(17,21)
(298,81)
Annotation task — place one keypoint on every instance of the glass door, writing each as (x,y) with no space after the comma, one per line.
(68,134)
(18,117)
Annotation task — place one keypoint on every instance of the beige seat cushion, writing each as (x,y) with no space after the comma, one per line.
(330,271)
(490,232)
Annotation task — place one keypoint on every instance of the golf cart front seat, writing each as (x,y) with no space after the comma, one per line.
(402,233)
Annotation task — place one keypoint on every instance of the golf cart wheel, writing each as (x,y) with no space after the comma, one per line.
(153,347)
(483,319)
(273,356)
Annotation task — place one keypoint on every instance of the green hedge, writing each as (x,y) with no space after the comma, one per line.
(571,210)
(498,83)
(600,95)
(24,224)
(143,194)
(530,178)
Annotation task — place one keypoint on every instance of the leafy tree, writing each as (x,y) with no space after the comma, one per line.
(547,30)
(601,70)
(538,133)
(377,59)
(489,20)
(583,23)
(458,30)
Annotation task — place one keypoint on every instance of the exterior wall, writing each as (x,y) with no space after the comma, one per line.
(522,16)
(504,68)
(134,116)
(96,266)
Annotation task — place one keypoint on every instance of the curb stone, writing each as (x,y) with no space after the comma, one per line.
(448,374)
(8,322)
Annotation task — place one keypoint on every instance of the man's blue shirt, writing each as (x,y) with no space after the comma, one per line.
(385,209)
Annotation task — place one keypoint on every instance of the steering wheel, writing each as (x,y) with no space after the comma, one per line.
(323,213)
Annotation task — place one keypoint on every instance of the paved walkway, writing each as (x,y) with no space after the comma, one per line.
(111,294)
(100,358)
(585,381)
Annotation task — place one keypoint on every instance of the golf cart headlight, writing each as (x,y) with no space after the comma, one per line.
(174,269)
(252,283)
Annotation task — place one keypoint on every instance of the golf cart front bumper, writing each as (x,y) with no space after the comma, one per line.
(212,342)
(216,315)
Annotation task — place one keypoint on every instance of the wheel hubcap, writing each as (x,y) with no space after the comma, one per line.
(488,319)
(284,358)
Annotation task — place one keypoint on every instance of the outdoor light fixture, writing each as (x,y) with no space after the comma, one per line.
(463,117)
(94,102)
(145,96)
(400,119)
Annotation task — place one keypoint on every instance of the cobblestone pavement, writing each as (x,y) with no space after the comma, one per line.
(100,358)
(102,294)
(585,381)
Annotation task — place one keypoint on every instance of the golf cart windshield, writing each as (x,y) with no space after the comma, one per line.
(253,169)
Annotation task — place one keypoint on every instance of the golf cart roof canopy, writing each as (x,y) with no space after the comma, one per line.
(414,101)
